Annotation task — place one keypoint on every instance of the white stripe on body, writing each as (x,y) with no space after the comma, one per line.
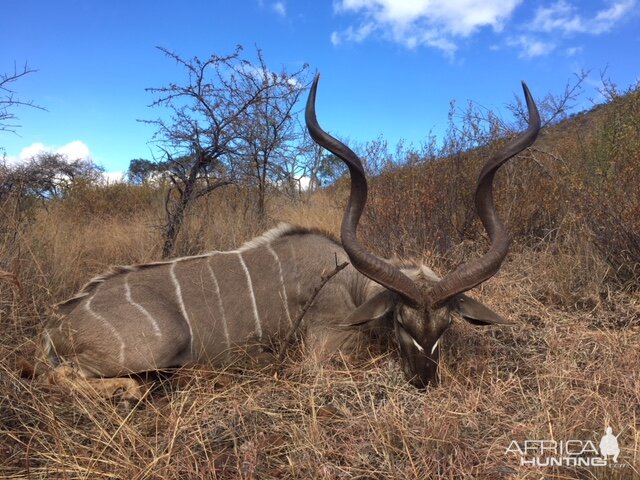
(284,298)
(220,306)
(141,309)
(295,268)
(183,310)
(252,295)
(113,329)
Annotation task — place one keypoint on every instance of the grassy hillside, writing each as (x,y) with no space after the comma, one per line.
(567,370)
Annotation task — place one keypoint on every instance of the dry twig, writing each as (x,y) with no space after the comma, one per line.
(296,324)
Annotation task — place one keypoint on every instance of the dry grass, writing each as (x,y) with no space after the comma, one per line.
(569,368)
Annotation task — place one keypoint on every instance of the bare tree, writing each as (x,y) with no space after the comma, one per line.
(553,107)
(41,178)
(9,101)
(270,135)
(46,175)
(302,169)
(307,167)
(204,139)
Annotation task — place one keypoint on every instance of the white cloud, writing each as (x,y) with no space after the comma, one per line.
(531,47)
(305,182)
(75,150)
(280,8)
(573,51)
(616,12)
(554,22)
(351,34)
(565,18)
(434,23)
(113,177)
(441,24)
(558,16)
(72,151)
(28,152)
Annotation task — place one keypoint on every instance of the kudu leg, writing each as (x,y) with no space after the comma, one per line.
(127,388)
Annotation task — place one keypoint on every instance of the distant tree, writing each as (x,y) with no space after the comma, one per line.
(9,101)
(327,170)
(269,135)
(609,91)
(318,166)
(46,175)
(207,139)
(141,170)
(298,170)
(553,107)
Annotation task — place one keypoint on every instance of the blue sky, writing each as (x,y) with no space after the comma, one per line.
(388,67)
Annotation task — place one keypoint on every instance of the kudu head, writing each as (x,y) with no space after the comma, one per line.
(419,302)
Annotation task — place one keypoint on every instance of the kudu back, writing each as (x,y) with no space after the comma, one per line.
(213,307)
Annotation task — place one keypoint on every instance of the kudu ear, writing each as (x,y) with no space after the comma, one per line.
(371,313)
(475,312)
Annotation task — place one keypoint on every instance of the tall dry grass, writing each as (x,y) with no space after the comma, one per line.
(568,368)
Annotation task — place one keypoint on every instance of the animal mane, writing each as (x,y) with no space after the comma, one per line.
(295,230)
(269,236)
(67,305)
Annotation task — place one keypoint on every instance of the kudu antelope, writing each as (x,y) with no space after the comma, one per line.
(201,308)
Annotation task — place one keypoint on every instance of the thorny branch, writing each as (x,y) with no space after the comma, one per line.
(325,277)
(8,99)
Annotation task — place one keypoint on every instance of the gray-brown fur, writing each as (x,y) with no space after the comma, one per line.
(201,309)
(214,307)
